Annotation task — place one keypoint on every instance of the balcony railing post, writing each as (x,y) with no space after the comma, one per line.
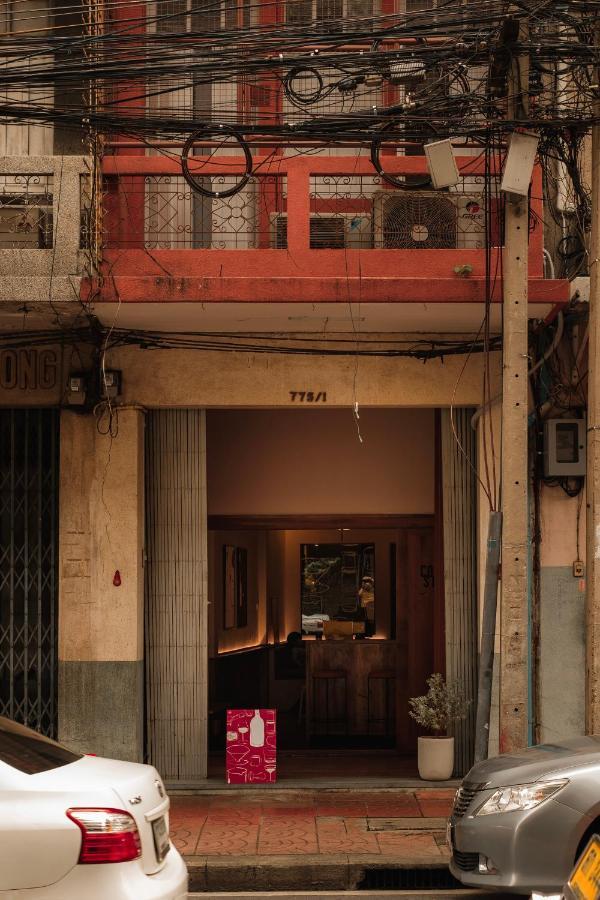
(67,213)
(298,207)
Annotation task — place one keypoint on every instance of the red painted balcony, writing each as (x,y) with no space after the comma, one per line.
(307,228)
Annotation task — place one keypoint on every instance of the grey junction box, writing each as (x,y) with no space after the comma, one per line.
(564,448)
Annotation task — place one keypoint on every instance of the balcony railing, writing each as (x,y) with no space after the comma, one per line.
(44,202)
(307,227)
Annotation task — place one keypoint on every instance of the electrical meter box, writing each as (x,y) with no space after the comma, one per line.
(564,448)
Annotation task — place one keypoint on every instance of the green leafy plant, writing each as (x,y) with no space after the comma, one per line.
(465,270)
(440,706)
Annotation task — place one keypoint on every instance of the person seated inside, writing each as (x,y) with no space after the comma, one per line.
(291,657)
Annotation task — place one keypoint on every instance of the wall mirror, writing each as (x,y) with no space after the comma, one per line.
(337,584)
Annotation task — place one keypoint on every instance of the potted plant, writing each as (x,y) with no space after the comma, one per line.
(436,710)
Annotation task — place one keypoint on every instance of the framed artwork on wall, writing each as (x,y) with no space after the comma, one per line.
(235,587)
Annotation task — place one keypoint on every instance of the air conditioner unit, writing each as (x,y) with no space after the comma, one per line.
(342,231)
(428,220)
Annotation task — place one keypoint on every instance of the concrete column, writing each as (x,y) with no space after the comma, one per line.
(101,632)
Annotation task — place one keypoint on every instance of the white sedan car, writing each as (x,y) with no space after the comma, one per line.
(78,827)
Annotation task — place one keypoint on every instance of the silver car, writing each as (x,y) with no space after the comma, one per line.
(521,820)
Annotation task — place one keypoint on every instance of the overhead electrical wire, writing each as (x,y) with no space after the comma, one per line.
(402,74)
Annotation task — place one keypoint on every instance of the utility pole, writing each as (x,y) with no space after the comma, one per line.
(514,625)
(592,631)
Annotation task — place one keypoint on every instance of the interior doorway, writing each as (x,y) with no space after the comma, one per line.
(323,598)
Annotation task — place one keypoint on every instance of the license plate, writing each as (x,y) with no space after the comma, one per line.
(585,879)
(162,844)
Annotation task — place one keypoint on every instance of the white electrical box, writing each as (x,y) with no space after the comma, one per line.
(520,159)
(442,164)
(564,448)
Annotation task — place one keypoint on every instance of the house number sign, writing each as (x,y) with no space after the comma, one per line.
(308,396)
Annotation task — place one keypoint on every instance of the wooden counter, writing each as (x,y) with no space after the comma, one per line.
(357,659)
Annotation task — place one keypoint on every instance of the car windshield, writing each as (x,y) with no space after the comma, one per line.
(30,752)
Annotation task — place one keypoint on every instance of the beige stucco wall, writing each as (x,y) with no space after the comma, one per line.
(101,531)
(211,379)
(559,515)
(197,378)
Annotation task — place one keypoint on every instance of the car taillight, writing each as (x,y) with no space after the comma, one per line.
(109,835)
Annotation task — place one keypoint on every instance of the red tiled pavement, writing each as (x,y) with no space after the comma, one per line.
(435,803)
(309,823)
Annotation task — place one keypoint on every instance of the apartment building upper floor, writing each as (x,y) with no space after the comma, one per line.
(263,212)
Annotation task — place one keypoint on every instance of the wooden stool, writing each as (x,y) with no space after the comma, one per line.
(386,678)
(325,683)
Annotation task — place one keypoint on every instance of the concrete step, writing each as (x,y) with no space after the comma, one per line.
(360,895)
(285,787)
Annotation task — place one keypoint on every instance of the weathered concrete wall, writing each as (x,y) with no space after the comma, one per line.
(562,654)
(100,624)
(561,670)
(191,378)
(33,376)
(48,275)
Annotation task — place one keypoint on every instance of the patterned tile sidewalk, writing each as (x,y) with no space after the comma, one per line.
(313,823)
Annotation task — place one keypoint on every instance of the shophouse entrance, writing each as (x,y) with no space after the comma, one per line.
(321,579)
(292,565)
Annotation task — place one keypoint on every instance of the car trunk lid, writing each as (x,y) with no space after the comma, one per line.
(144,797)
(138,789)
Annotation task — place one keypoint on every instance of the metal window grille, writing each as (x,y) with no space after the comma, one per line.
(29,441)
(26,211)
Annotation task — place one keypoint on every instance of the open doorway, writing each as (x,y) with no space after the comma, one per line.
(323,598)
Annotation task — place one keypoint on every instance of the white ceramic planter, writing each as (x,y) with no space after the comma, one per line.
(436,758)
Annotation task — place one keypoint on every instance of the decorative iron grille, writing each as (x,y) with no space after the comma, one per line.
(363,212)
(86,206)
(26,212)
(163,212)
(28,566)
(342,210)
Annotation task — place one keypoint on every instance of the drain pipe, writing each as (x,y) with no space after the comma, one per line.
(488,637)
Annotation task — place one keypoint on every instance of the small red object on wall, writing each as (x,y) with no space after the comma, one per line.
(251,746)
(117,579)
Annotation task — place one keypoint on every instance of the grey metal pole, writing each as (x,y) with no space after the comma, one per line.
(592,630)
(488,637)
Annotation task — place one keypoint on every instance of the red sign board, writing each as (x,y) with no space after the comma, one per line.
(251,746)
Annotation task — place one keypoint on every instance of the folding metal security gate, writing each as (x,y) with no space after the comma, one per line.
(176,594)
(29,444)
(459,463)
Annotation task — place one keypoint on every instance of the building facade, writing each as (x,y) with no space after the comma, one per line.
(200,392)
